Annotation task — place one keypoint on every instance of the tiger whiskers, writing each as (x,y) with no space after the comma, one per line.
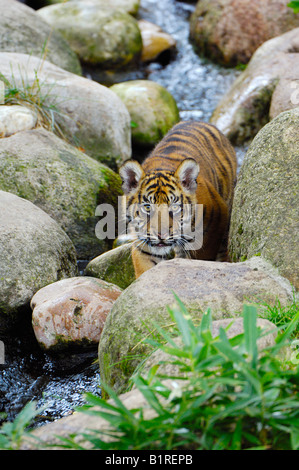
(181,243)
(138,244)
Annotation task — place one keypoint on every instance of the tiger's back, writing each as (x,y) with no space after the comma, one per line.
(205,144)
(168,176)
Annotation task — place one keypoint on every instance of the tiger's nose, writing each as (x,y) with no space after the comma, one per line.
(163,236)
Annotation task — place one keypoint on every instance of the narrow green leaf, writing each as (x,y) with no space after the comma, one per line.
(289,330)
(253,378)
(152,373)
(185,313)
(176,352)
(148,394)
(250,332)
(69,443)
(164,335)
(121,408)
(225,348)
(204,397)
(183,326)
(231,409)
(206,321)
(97,401)
(181,305)
(4,442)
(201,353)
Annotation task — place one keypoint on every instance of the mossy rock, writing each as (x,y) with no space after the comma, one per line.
(114,266)
(87,114)
(35,252)
(129,6)
(265,209)
(63,181)
(22,30)
(224,287)
(152,108)
(100,36)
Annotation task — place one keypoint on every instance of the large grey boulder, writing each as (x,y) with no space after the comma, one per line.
(224,287)
(35,251)
(63,181)
(265,217)
(88,114)
(22,30)
(244,109)
(99,35)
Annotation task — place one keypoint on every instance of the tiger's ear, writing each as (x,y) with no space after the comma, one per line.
(187,174)
(131,173)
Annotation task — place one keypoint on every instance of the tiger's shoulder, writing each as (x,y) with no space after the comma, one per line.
(205,144)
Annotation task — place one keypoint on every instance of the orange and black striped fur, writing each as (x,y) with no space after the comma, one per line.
(194,164)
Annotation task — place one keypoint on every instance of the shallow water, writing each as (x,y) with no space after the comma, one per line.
(197,85)
(55,383)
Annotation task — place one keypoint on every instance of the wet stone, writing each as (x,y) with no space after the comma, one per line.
(15,119)
(71,313)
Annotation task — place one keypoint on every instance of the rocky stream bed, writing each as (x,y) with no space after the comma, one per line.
(238,101)
(197,85)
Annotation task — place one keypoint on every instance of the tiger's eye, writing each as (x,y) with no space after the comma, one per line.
(175,207)
(146,207)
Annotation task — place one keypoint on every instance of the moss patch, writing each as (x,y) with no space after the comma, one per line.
(114,266)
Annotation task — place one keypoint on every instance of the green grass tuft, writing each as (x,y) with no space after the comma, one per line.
(39,99)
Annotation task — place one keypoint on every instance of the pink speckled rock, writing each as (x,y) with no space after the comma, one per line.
(72,312)
(229,31)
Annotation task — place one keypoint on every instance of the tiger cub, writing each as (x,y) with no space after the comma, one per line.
(179,200)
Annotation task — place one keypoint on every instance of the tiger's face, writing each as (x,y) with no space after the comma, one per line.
(161,207)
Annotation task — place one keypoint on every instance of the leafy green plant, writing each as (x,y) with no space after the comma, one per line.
(224,394)
(227,394)
(12,433)
(294,5)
